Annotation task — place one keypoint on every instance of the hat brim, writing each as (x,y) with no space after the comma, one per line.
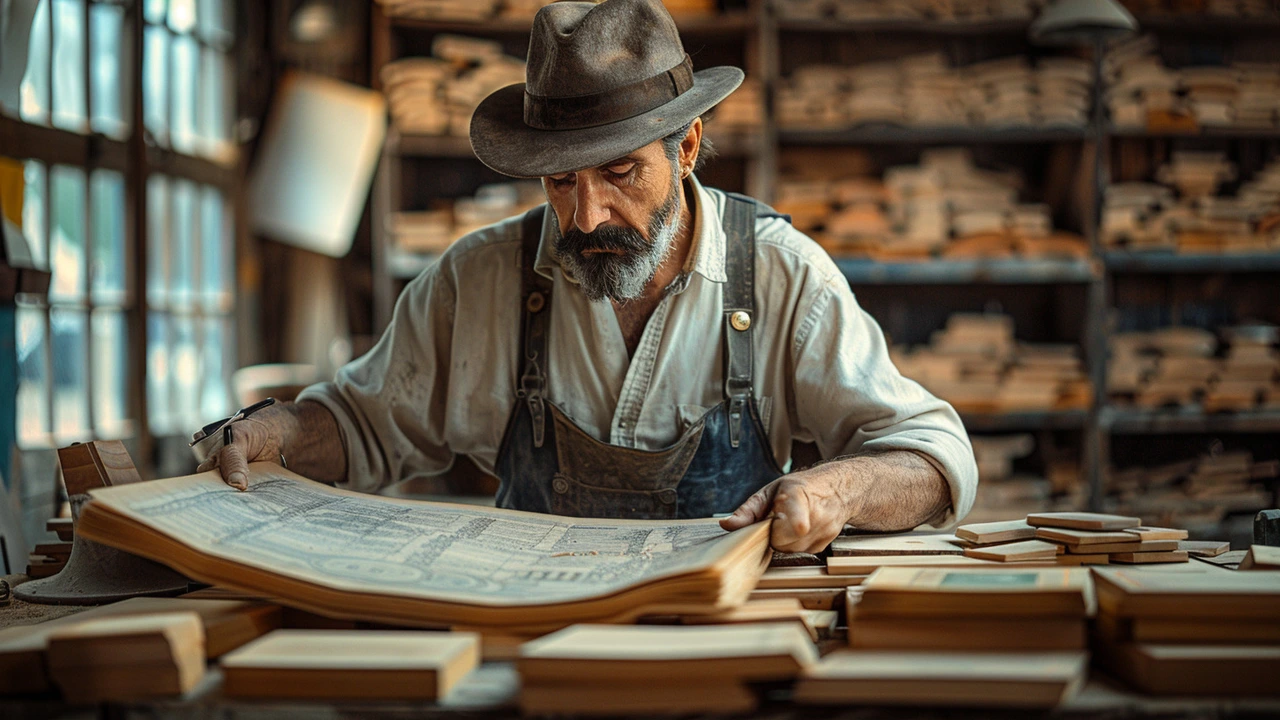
(502,141)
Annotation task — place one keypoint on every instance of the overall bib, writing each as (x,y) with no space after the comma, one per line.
(548,464)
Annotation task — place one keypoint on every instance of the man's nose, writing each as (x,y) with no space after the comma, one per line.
(591,210)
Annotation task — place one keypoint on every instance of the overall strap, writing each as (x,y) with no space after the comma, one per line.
(535,313)
(739,307)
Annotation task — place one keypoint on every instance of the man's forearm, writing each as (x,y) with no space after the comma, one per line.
(312,443)
(893,490)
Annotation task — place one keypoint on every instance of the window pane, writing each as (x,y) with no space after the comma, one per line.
(157,241)
(110,69)
(109,248)
(155,84)
(66,242)
(186,78)
(68,65)
(182,15)
(33,377)
(70,377)
(35,211)
(153,11)
(186,372)
(216,251)
(111,373)
(34,90)
(182,270)
(159,398)
(215,22)
(215,103)
(215,391)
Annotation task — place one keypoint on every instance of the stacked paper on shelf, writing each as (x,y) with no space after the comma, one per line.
(437,95)
(432,231)
(924,91)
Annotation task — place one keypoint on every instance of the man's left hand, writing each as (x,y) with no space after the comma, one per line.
(809,508)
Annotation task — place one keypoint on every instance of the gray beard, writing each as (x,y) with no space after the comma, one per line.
(620,277)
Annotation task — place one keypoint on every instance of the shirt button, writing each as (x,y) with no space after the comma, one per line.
(560,485)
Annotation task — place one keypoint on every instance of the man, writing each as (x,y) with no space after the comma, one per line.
(641,346)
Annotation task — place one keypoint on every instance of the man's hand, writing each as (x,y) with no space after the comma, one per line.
(257,438)
(881,491)
(809,508)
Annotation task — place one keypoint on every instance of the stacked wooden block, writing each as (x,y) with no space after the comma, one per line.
(1143,92)
(437,95)
(432,231)
(48,559)
(1196,493)
(934,10)
(1073,538)
(1183,366)
(977,366)
(1184,212)
(742,112)
(924,91)
(944,207)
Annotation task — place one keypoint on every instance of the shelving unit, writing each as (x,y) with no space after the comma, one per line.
(1078,296)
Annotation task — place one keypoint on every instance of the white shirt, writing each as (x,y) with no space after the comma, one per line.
(442,378)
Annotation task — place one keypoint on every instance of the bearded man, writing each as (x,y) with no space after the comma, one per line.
(641,346)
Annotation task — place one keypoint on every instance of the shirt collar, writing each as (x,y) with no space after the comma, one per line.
(706,254)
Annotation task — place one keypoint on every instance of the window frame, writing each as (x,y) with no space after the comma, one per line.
(136,159)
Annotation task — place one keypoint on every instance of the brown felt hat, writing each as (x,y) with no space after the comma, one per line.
(602,80)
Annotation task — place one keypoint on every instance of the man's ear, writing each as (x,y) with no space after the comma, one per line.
(690,146)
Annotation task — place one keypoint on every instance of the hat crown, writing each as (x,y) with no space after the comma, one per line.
(579,48)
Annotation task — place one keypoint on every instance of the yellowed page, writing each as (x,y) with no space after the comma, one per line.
(293,527)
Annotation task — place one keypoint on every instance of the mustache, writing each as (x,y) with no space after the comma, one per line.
(612,238)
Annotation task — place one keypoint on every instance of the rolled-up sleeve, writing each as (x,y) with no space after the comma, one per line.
(850,397)
(390,404)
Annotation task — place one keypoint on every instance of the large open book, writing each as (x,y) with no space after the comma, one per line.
(365,557)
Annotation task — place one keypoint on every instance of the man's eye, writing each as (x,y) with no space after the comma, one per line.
(562,181)
(621,171)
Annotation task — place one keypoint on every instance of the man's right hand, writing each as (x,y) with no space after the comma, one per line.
(257,438)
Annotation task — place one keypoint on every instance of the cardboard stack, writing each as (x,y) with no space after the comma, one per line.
(1202,631)
(649,670)
(437,95)
(924,91)
(977,366)
(874,10)
(1184,366)
(960,636)
(1144,93)
(432,231)
(944,207)
(1197,493)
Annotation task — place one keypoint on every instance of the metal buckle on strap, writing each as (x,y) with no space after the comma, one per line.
(735,421)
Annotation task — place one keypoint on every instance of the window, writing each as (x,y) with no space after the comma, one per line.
(102,339)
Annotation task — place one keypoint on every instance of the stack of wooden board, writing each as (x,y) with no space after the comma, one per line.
(998,636)
(976,364)
(650,670)
(946,206)
(228,624)
(127,658)
(432,231)
(1099,539)
(1188,366)
(350,665)
(1196,630)
(1195,493)
(437,95)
